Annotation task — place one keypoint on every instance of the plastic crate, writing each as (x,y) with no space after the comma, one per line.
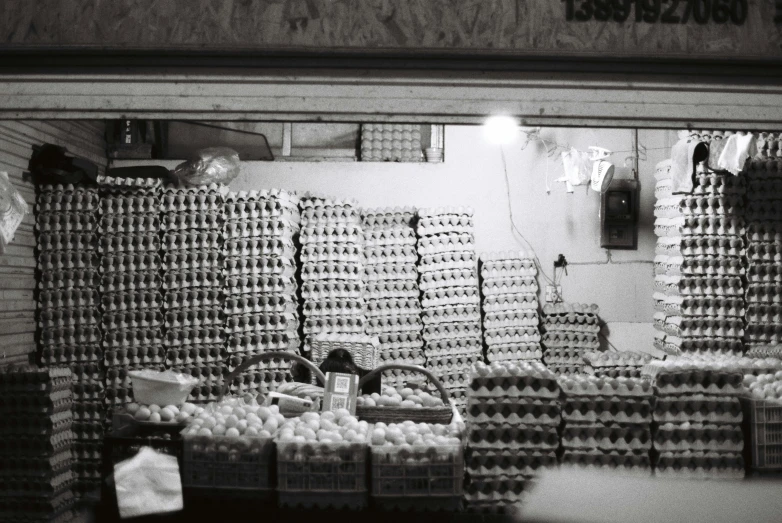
(322,475)
(219,462)
(418,477)
(765,432)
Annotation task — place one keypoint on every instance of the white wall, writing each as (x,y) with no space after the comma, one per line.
(620,282)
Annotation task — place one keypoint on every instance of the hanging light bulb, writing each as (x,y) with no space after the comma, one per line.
(500,129)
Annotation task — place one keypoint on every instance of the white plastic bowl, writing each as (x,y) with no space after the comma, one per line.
(161,388)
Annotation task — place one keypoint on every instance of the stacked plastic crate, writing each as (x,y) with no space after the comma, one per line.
(192,220)
(699,268)
(607,422)
(510,306)
(393,299)
(130,283)
(513,412)
(571,330)
(698,419)
(451,300)
(68,311)
(261,306)
(332,287)
(764,243)
(36,444)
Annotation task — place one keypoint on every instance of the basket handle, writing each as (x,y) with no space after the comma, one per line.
(269,356)
(414,368)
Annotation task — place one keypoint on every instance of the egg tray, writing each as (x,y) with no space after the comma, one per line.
(510,335)
(450,331)
(203,355)
(765,351)
(763,333)
(668,207)
(491,272)
(111,224)
(764,293)
(706,266)
(444,364)
(718,184)
(502,490)
(593,386)
(631,438)
(617,358)
(33,381)
(764,273)
(437,258)
(513,352)
(551,309)
(700,465)
(347,254)
(25,489)
(319,290)
(691,327)
(505,388)
(380,274)
(121,263)
(436,212)
(510,303)
(272,365)
(607,410)
(508,463)
(508,259)
(699,437)
(65,222)
(41,469)
(376,236)
(499,437)
(332,271)
(388,216)
(764,231)
(252,284)
(451,314)
(389,290)
(482,411)
(277,196)
(205,374)
(23,425)
(332,236)
(445,243)
(698,408)
(399,324)
(454,346)
(280,230)
(612,460)
(67,260)
(125,204)
(382,307)
(335,307)
(87,450)
(564,356)
(570,329)
(505,319)
(704,307)
(568,339)
(257,248)
(64,354)
(565,369)
(700,286)
(763,210)
(675,345)
(131,320)
(764,189)
(76,335)
(449,218)
(67,242)
(458,279)
(322,217)
(509,286)
(36,445)
(89,431)
(411,342)
(686,226)
(724,205)
(254,341)
(68,318)
(701,246)
(187,336)
(88,413)
(341,324)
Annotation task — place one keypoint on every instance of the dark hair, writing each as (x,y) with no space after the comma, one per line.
(339,360)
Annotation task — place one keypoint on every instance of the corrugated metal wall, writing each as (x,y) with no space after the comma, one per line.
(17,265)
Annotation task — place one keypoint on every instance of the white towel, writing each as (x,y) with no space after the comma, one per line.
(685,155)
(738,148)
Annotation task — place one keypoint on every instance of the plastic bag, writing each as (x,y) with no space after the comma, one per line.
(577,168)
(213,165)
(148,483)
(12,210)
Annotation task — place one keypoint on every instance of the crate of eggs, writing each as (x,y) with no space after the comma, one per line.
(322,461)
(390,142)
(397,405)
(417,466)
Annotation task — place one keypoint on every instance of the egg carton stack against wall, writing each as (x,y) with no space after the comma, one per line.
(69,316)
(388,142)
(697,418)
(615,364)
(450,296)
(570,331)
(513,412)
(332,276)
(36,445)
(261,305)
(510,306)
(130,282)
(607,422)
(764,244)
(699,267)
(192,220)
(393,298)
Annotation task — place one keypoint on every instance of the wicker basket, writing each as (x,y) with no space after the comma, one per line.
(442,414)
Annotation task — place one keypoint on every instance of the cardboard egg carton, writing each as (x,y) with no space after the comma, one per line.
(347,253)
(332,233)
(386,359)
(259,382)
(700,464)
(26,488)
(631,438)
(446,364)
(197,317)
(668,207)
(761,210)
(570,339)
(724,205)
(457,381)
(764,273)
(343,271)
(38,403)
(72,335)
(115,398)
(391,142)
(407,354)
(401,289)
(510,302)
(67,241)
(768,231)
(341,324)
(438,258)
(68,299)
(127,204)
(692,377)
(763,333)
(704,306)
(499,437)
(184,221)
(259,284)
(260,322)
(553,309)
(436,212)
(508,260)
(445,243)
(675,345)
(45,444)
(388,216)
(617,358)
(384,272)
(517,285)
(132,338)
(764,293)
(188,336)
(135,357)
(268,209)
(128,224)
(607,410)
(450,278)
(256,341)
(193,356)
(410,323)
(764,189)
(72,200)
(593,386)
(671,437)
(722,226)
(62,354)
(257,247)
(663,189)
(65,222)
(331,290)
(320,200)
(386,235)
(36,468)
(514,352)
(451,314)
(390,341)
(313,216)
(115,263)
(444,224)
(572,322)
(363,348)
(765,351)
(447,331)
(682,285)
(392,306)
(567,369)
(712,327)
(136,319)
(698,408)
(175,279)
(764,252)
(107,181)
(632,461)
(496,490)
(446,266)
(481,411)
(132,300)
(88,450)
(512,335)
(498,463)
(142,243)
(521,318)
(465,296)
(564,356)
(259,303)
(281,229)
(701,246)
(278,196)
(705,266)
(195,260)
(67,260)
(377,255)
(59,318)
(29,379)
(334,307)
(194,241)
(277,364)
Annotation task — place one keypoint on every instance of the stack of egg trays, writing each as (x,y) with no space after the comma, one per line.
(261,232)
(332,273)
(571,330)
(36,445)
(382,142)
(393,301)
(510,306)
(606,422)
(697,419)
(700,264)
(192,222)
(130,286)
(764,244)
(451,296)
(615,364)
(513,413)
(69,315)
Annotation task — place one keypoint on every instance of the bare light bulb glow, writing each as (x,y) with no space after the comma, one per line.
(500,129)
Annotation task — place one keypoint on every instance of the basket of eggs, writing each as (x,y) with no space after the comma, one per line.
(398,405)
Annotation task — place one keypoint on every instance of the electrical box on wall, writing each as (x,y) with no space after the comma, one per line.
(619,215)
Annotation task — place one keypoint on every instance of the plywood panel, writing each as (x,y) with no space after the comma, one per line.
(17,265)
(496,27)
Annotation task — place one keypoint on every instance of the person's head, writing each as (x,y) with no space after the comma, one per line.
(339,360)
